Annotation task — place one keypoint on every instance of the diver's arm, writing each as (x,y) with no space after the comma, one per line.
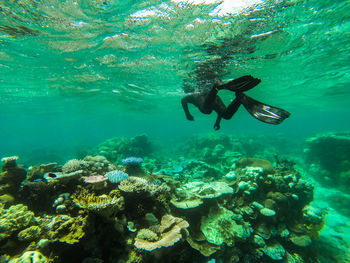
(184,103)
(217,122)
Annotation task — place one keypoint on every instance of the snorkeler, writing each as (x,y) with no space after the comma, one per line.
(208,101)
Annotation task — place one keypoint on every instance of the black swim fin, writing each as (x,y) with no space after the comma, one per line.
(240,84)
(261,111)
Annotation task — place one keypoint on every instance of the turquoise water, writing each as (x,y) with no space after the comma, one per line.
(77,72)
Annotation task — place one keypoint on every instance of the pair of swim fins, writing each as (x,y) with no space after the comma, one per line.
(262,112)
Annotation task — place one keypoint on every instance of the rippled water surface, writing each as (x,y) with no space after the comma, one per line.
(70,70)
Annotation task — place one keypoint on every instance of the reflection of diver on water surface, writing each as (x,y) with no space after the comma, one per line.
(221,56)
(207,101)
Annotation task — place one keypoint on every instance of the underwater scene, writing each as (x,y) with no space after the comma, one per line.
(199,131)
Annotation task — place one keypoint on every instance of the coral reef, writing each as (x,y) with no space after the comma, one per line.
(212,204)
(11,176)
(328,156)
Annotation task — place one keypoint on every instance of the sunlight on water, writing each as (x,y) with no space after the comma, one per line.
(74,48)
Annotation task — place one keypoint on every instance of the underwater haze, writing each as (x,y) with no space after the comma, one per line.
(76,73)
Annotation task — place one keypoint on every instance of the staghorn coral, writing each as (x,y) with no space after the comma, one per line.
(170,232)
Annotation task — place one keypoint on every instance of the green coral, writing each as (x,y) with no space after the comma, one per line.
(15,218)
(90,201)
(67,229)
(29,234)
(30,257)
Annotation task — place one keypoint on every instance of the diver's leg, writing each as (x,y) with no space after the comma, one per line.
(231,109)
(209,100)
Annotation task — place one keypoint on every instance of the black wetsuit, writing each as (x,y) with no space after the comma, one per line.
(208,101)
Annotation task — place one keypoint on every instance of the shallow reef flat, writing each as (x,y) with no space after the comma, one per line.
(216,198)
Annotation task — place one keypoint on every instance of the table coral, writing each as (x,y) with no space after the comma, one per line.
(171,231)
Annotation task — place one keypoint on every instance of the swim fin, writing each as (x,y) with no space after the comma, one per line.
(261,111)
(240,84)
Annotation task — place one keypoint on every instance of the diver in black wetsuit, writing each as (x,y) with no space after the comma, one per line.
(208,101)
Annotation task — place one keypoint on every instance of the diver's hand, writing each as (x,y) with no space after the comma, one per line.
(216,126)
(190,117)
